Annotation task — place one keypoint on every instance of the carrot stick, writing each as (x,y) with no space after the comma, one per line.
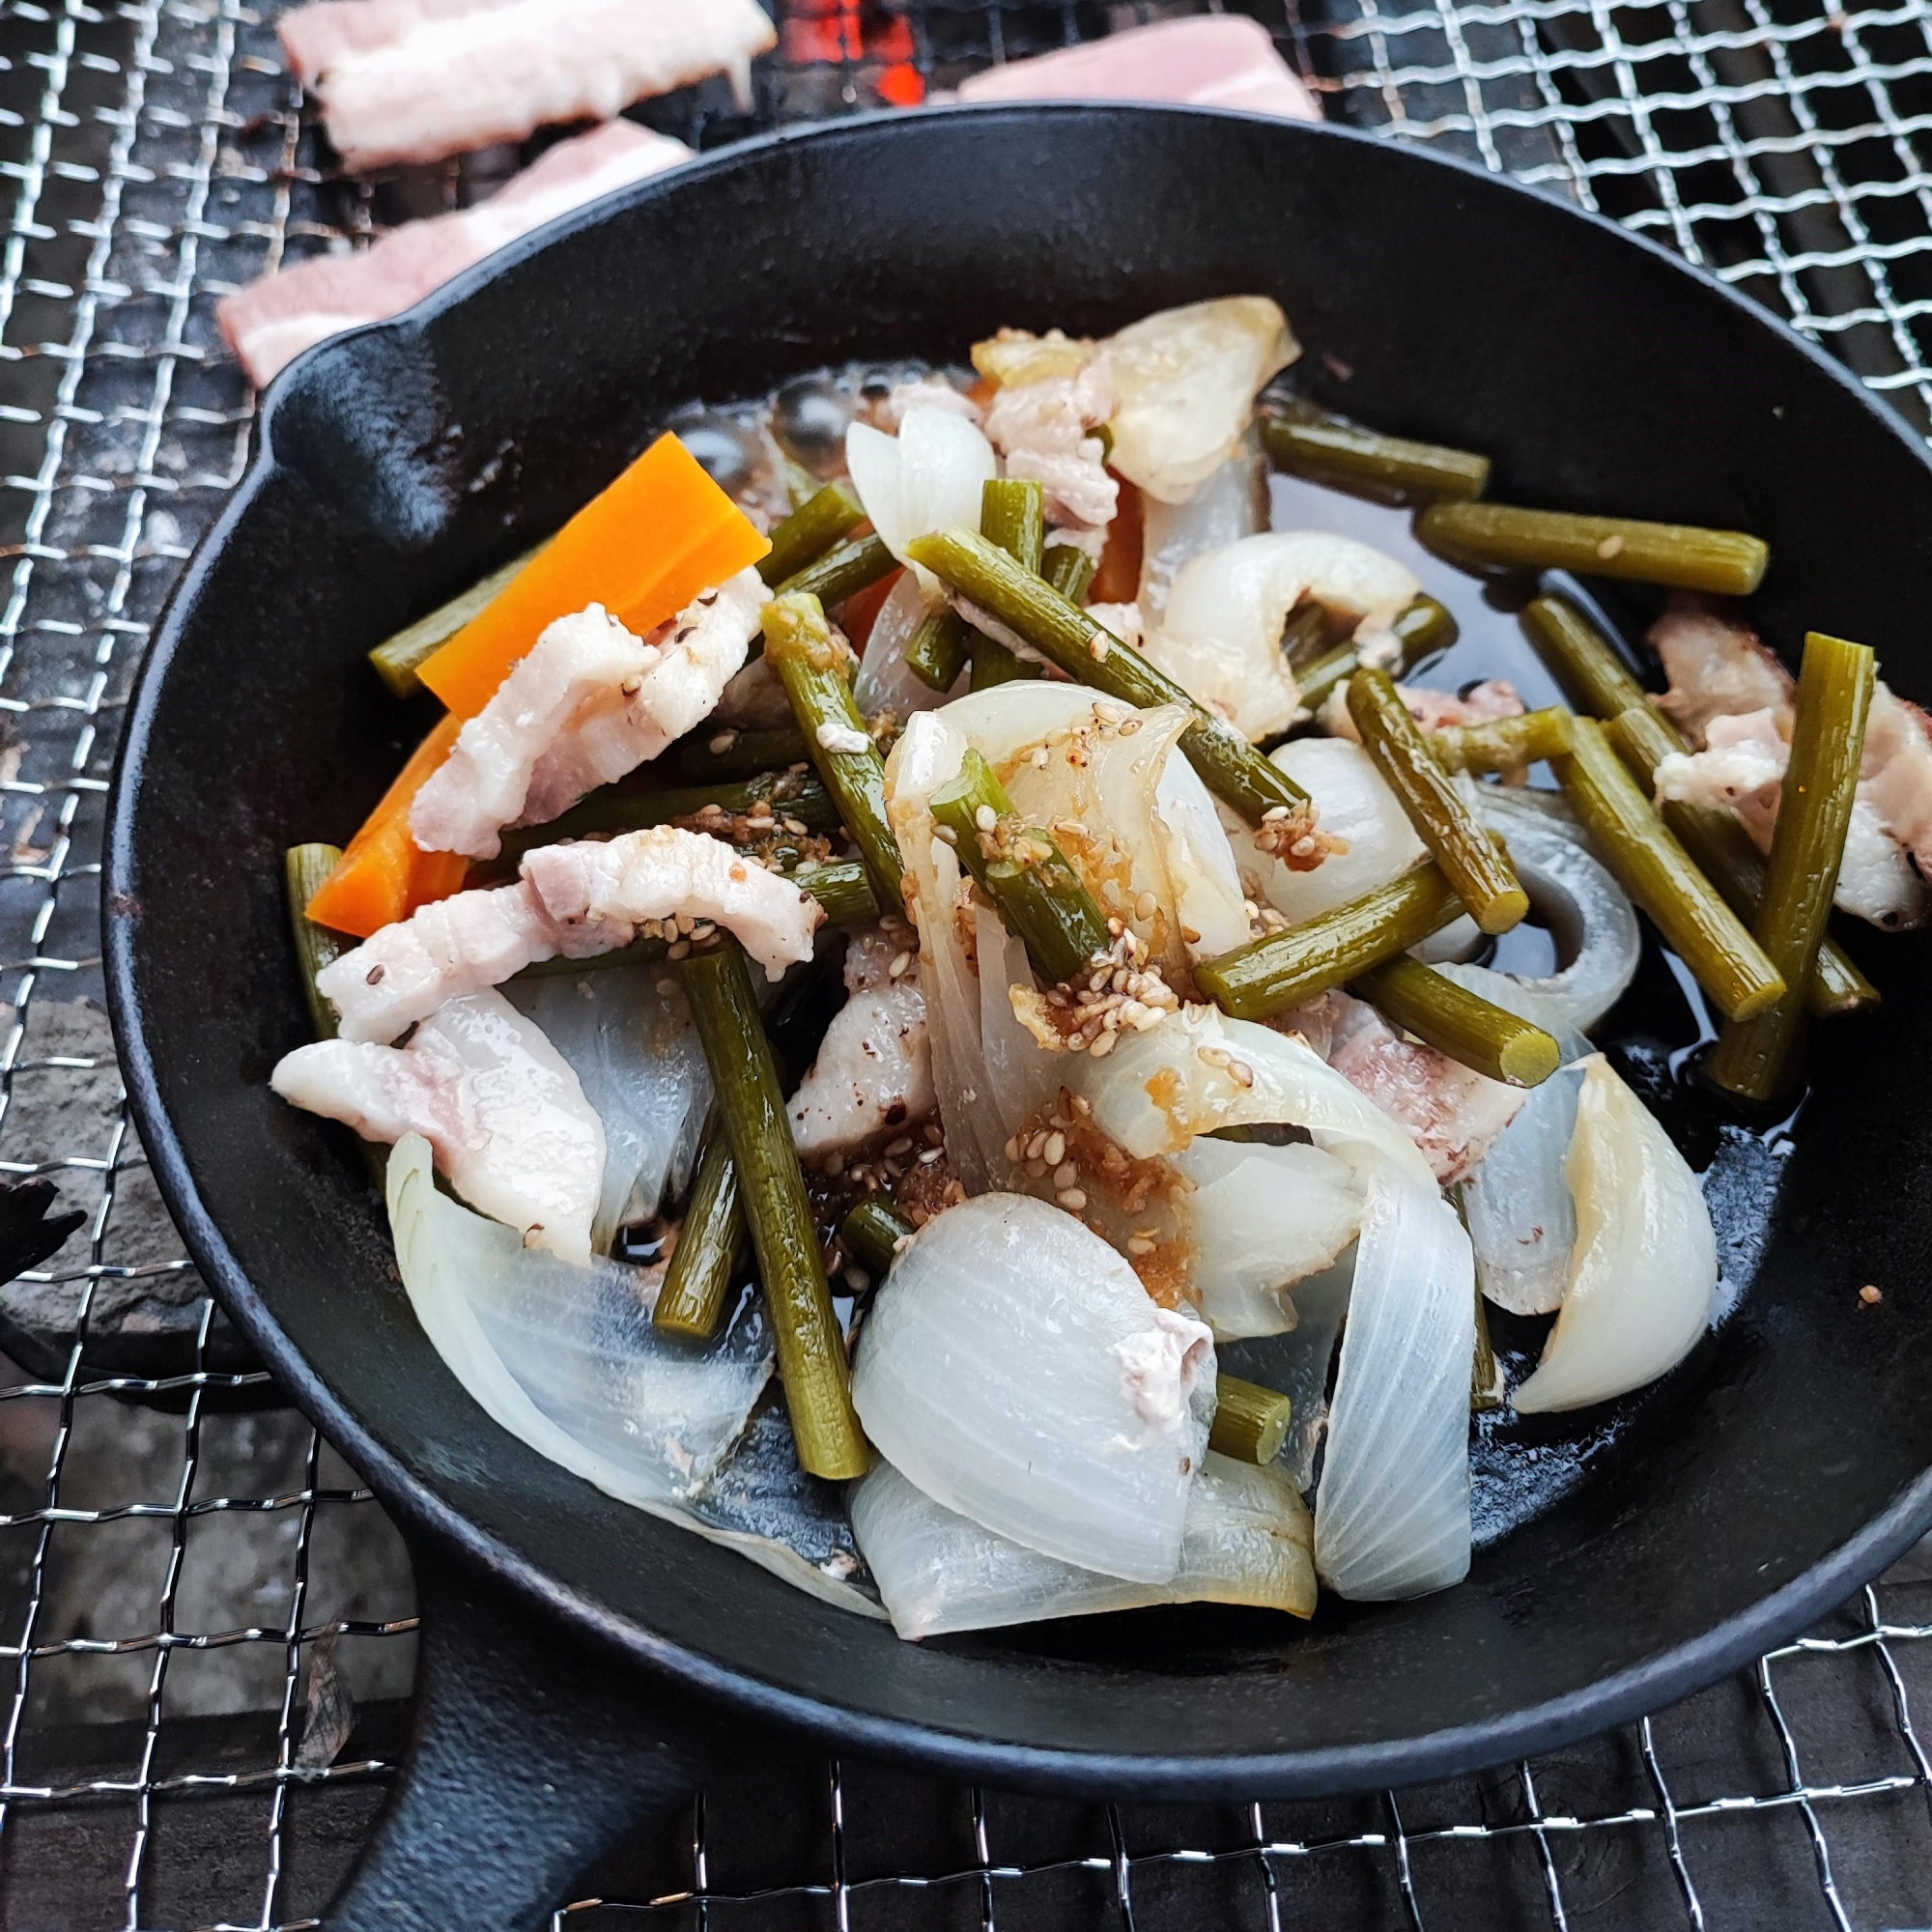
(384,875)
(663,532)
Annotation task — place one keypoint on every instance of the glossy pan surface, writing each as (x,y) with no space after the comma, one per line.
(1785,1462)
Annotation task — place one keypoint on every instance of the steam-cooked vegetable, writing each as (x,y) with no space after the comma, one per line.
(1420,632)
(1645,1267)
(750,1106)
(1657,872)
(1328,448)
(1246,1541)
(304,868)
(1285,969)
(1460,1023)
(1015,1369)
(1012,514)
(1040,896)
(811,664)
(1828,739)
(929,478)
(824,519)
(395,660)
(1481,875)
(842,571)
(1502,744)
(1250,1422)
(873,1232)
(1498,535)
(709,1243)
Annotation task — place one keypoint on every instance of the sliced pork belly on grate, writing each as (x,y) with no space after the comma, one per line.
(874,1066)
(270,322)
(412,80)
(495,1099)
(573,901)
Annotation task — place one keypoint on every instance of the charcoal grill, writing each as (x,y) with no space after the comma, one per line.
(154,158)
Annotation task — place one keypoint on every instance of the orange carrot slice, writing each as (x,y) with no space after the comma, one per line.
(663,532)
(384,875)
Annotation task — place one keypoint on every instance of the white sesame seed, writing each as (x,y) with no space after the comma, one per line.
(1052,1149)
(1146,906)
(1273,814)
(897,969)
(1066,1174)
(1240,1073)
(1139,1244)
(1073,1199)
(985,818)
(1105,1045)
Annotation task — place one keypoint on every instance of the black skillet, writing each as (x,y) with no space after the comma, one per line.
(1783,1465)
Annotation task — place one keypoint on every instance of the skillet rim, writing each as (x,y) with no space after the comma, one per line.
(1602,1705)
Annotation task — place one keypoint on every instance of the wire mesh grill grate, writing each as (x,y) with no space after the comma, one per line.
(183,1581)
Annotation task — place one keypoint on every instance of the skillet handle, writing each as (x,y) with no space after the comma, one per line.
(530,1754)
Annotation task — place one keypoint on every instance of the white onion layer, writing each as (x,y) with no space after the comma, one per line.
(929,478)
(1392,1514)
(1015,1370)
(1355,803)
(1232,504)
(1246,1541)
(566,1358)
(1645,1273)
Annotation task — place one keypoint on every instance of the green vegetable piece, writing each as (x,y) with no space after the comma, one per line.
(1328,448)
(304,871)
(1012,514)
(797,1298)
(810,663)
(872,1232)
(1808,847)
(827,517)
(1485,1382)
(709,1246)
(1250,1422)
(1502,744)
(1716,840)
(1459,1023)
(1039,897)
(1065,635)
(1483,877)
(841,572)
(1658,873)
(1287,969)
(940,649)
(1422,631)
(1593,678)
(777,795)
(1070,570)
(1498,536)
(715,755)
(396,658)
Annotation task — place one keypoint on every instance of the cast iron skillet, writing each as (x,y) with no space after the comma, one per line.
(1783,1465)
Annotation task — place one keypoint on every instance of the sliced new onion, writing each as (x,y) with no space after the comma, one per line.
(1392,1514)
(884,683)
(1186,380)
(1232,504)
(1246,1541)
(1013,1368)
(1220,636)
(1589,913)
(1645,1271)
(929,478)
(1296,1362)
(566,1358)
(1258,1220)
(642,1065)
(1356,804)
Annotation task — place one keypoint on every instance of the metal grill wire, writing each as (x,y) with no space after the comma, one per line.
(152,157)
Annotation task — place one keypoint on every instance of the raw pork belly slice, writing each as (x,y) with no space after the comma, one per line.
(412,80)
(572,901)
(1217,60)
(500,1106)
(270,323)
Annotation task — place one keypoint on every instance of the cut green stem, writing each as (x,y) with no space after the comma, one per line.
(718,754)
(940,649)
(1808,847)
(872,1232)
(826,517)
(797,1298)
(1250,1422)
(1326,448)
(1502,744)
(1459,1023)
(841,572)
(305,868)
(1065,635)
(1483,877)
(396,658)
(1012,514)
(1038,896)
(1714,837)
(1499,536)
(811,666)
(1584,662)
(709,1246)
(1287,969)
(1421,631)
(1070,570)
(1653,869)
